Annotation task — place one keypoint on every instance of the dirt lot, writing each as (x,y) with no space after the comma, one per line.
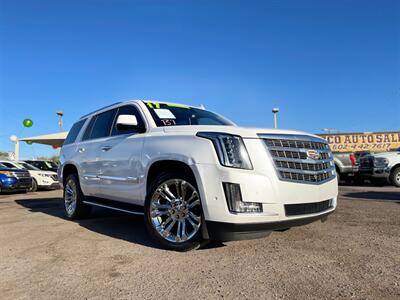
(355,254)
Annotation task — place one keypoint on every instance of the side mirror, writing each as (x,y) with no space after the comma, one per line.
(127,122)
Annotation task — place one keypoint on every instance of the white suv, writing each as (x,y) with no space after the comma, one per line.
(193,174)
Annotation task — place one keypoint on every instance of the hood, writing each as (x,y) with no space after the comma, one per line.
(242,131)
(388,155)
(42,172)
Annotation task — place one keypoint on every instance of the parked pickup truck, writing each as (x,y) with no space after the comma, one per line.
(12,180)
(382,166)
(195,175)
(346,165)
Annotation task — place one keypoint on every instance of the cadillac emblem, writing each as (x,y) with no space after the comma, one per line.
(313,154)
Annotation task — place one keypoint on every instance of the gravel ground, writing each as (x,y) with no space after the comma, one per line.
(355,254)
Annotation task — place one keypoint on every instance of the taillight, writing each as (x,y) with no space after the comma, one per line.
(353,159)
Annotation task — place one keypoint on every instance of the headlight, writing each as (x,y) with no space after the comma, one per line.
(381,162)
(7,173)
(230,149)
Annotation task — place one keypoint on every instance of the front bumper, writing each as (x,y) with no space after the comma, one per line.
(52,186)
(15,187)
(261,187)
(224,232)
(383,172)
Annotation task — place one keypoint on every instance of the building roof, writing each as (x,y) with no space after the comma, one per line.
(53,139)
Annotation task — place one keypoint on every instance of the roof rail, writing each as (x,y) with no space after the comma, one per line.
(93,112)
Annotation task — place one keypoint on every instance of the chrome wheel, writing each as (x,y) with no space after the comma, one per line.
(70,197)
(175,210)
(397,177)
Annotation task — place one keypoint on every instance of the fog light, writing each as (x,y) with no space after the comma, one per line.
(234,200)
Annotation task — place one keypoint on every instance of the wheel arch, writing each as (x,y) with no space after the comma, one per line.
(68,169)
(168,164)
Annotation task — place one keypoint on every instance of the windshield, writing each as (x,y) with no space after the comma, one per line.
(28,166)
(11,165)
(176,114)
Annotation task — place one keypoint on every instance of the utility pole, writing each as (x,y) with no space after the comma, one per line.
(60,123)
(275,110)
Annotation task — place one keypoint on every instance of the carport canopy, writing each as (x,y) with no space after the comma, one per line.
(53,139)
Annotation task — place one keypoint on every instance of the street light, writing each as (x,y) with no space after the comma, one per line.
(15,140)
(329,130)
(275,110)
(60,123)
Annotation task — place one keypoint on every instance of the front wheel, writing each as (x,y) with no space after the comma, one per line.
(73,199)
(34,186)
(395,177)
(173,212)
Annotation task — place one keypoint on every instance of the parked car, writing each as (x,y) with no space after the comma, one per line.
(45,165)
(193,174)
(382,167)
(40,179)
(12,180)
(346,165)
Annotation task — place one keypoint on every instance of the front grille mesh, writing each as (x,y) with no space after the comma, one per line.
(307,208)
(302,159)
(21,175)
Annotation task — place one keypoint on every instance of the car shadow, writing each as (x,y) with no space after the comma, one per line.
(108,222)
(375,196)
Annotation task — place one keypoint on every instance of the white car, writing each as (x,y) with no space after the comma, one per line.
(193,174)
(40,179)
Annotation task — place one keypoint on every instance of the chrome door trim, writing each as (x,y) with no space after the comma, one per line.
(91,177)
(123,179)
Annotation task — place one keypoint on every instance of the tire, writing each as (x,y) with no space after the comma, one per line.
(34,186)
(395,177)
(73,199)
(173,217)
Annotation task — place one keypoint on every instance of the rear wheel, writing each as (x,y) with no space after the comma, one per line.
(73,199)
(173,212)
(395,177)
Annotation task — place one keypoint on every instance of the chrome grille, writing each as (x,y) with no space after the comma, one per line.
(300,158)
(22,175)
(54,177)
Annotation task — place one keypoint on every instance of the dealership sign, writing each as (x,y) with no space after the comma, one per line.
(367,141)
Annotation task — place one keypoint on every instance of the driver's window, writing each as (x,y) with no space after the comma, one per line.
(127,110)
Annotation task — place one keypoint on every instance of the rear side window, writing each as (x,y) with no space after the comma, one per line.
(103,123)
(73,133)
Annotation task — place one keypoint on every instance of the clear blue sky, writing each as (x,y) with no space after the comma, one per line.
(324,63)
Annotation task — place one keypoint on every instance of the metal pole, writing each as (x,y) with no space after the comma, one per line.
(16,151)
(275,110)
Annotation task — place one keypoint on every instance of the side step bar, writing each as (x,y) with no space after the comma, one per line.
(115,205)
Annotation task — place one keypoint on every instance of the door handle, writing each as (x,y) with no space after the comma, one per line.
(106,148)
(80,150)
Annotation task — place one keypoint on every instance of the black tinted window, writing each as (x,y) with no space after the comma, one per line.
(88,130)
(73,133)
(128,110)
(103,123)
